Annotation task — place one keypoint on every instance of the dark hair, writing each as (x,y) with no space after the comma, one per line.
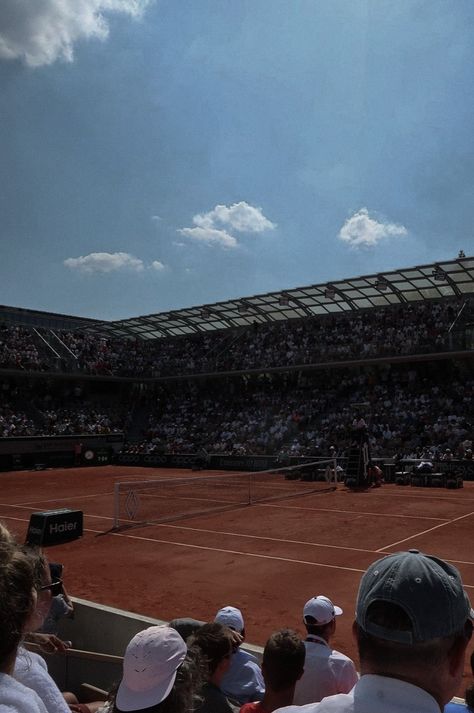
(390,655)
(16,597)
(283,659)
(39,564)
(215,642)
(313,628)
(183,697)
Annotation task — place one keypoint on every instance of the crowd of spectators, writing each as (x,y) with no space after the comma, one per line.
(415,328)
(47,409)
(18,350)
(406,410)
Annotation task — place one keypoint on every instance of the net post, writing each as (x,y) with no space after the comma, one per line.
(334,467)
(116,505)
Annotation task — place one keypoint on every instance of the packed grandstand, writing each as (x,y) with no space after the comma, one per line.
(276,374)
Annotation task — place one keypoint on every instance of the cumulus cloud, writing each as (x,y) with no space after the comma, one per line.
(157,265)
(214,226)
(39,32)
(241,216)
(210,236)
(104,262)
(361,230)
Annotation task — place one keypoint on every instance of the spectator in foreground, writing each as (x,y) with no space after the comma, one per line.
(61,604)
(326,670)
(413,624)
(30,668)
(215,644)
(282,666)
(243,682)
(159,675)
(17,603)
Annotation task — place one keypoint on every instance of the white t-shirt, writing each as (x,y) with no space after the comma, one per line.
(31,670)
(17,698)
(326,672)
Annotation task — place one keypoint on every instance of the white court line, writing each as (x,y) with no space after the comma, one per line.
(351,512)
(288,507)
(418,534)
(231,552)
(65,497)
(217,549)
(261,537)
(213,549)
(427,496)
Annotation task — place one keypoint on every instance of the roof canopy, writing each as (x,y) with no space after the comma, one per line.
(425,282)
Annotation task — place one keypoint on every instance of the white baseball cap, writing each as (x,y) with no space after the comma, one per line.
(231,617)
(149,667)
(321,609)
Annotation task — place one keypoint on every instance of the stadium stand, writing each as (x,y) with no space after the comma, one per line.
(282,371)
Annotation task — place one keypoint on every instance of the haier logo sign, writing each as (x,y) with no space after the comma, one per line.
(62,527)
(54,527)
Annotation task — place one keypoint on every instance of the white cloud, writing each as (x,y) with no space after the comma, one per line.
(214,226)
(39,32)
(210,236)
(360,230)
(156,218)
(241,216)
(157,265)
(104,262)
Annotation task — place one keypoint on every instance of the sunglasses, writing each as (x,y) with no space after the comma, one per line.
(56,587)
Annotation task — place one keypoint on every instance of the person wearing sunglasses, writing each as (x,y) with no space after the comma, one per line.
(17,604)
(61,604)
(30,668)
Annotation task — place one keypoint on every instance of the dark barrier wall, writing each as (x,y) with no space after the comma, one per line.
(187,460)
(58,451)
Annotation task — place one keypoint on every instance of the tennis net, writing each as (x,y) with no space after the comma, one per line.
(139,502)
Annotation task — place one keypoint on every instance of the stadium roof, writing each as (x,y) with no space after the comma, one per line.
(424,282)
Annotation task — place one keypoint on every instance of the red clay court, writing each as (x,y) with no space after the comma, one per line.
(267,559)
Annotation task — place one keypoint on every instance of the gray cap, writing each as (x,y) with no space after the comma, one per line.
(429,591)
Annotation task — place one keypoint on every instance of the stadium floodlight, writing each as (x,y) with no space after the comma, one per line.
(330,292)
(439,275)
(284,300)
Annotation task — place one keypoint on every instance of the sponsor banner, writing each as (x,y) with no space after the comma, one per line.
(51,444)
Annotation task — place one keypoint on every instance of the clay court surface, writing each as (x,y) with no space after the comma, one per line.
(267,559)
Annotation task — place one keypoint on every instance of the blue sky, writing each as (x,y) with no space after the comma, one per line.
(158,154)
